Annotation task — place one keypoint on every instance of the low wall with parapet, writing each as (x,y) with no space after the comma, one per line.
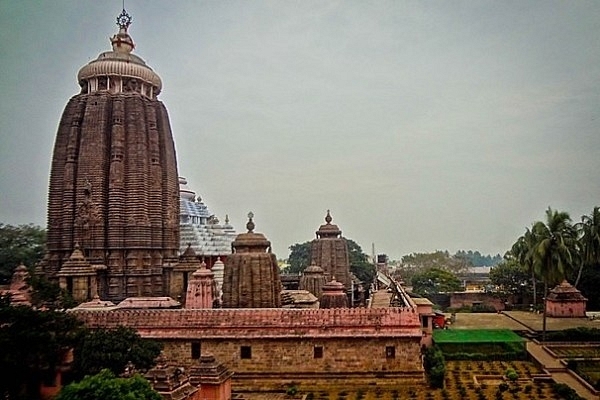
(270,348)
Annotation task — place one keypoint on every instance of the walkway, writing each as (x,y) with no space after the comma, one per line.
(557,370)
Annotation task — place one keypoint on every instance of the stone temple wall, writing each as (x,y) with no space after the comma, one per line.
(267,348)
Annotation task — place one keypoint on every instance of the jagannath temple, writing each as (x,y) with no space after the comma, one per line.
(114,188)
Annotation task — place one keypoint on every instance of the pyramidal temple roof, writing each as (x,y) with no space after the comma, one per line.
(200,228)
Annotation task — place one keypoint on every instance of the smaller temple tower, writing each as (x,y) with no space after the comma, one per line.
(251,277)
(333,295)
(330,252)
(313,280)
(202,289)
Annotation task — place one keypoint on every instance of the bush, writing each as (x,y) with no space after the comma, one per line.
(511,375)
(581,334)
(435,366)
(566,392)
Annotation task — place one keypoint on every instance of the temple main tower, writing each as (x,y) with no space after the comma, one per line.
(251,278)
(113,189)
(330,252)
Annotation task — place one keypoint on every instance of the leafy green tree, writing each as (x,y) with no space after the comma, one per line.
(417,263)
(589,229)
(556,251)
(511,278)
(106,386)
(299,258)
(33,344)
(435,281)
(359,263)
(435,366)
(589,284)
(112,349)
(19,244)
(49,295)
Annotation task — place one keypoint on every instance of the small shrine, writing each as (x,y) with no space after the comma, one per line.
(171,382)
(565,301)
(212,377)
(334,295)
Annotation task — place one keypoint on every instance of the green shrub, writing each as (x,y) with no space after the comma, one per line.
(566,392)
(435,366)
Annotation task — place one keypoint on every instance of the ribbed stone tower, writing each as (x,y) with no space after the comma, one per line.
(334,295)
(313,280)
(113,181)
(330,252)
(251,277)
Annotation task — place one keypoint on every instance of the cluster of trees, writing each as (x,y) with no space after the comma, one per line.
(19,244)
(476,259)
(299,260)
(551,251)
(34,343)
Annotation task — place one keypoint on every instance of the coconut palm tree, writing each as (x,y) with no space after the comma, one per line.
(589,230)
(522,251)
(555,252)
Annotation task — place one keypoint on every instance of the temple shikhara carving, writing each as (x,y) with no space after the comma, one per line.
(330,252)
(251,277)
(114,190)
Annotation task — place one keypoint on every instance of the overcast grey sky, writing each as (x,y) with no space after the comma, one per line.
(422,125)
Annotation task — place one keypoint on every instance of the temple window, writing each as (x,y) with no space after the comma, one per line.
(195,350)
(390,352)
(318,352)
(246,352)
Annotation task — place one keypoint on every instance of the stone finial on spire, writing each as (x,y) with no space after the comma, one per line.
(250,225)
(328,218)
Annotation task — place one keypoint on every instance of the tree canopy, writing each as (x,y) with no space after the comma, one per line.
(33,343)
(106,386)
(19,244)
(511,278)
(113,349)
(434,281)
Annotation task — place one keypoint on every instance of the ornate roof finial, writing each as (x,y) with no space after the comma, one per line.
(250,224)
(124,19)
(328,218)
(227,219)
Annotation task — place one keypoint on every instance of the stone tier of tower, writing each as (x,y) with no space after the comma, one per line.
(313,280)
(330,252)
(251,277)
(113,182)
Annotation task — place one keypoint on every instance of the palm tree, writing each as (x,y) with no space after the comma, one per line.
(522,251)
(589,230)
(555,251)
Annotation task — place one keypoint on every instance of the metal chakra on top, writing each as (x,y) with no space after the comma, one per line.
(124,20)
(250,224)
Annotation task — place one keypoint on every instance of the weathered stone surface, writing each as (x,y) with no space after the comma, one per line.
(313,280)
(113,181)
(251,276)
(282,342)
(333,295)
(330,252)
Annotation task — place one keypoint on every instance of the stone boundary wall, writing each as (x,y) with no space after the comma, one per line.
(259,323)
